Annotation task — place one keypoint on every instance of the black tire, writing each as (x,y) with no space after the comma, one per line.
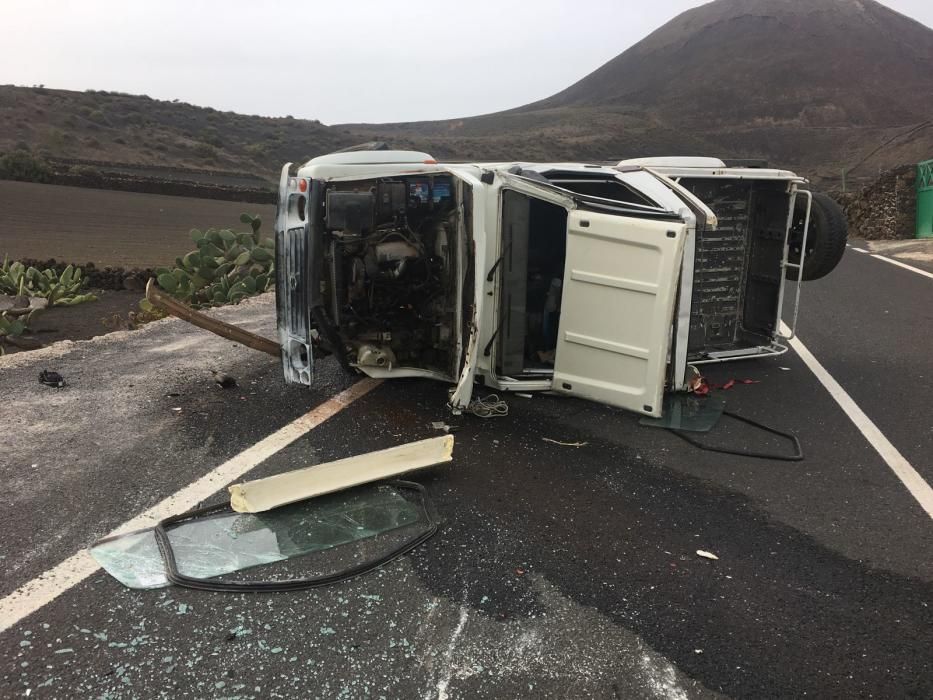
(826,239)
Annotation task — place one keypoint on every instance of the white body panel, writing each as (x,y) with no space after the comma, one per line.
(281,489)
(620,283)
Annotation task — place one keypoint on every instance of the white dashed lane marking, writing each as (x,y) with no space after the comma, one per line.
(892,261)
(903,265)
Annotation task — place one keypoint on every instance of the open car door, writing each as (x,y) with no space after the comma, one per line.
(620,285)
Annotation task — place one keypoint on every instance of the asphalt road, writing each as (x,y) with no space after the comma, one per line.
(559,571)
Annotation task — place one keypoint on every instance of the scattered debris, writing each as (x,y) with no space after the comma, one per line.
(706,555)
(282,489)
(52,379)
(489,407)
(784,369)
(691,412)
(224,381)
(732,382)
(440,425)
(696,384)
(565,444)
(523,395)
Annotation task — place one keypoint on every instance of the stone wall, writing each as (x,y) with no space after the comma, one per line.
(175,188)
(886,208)
(100,277)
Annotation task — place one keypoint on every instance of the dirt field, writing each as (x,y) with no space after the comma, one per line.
(125,229)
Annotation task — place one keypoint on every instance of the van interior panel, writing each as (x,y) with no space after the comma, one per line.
(534,247)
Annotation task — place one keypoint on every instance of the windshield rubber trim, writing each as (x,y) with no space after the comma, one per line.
(174,576)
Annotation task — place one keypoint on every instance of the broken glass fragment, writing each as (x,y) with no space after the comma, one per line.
(230,542)
(688,412)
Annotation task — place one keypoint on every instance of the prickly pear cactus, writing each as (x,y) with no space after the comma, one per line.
(226,267)
(26,291)
(60,290)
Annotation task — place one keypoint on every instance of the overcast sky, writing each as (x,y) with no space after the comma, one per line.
(337,61)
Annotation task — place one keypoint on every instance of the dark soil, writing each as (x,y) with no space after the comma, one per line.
(109,228)
(124,235)
(83,321)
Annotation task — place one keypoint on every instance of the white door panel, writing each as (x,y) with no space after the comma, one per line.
(475,249)
(620,282)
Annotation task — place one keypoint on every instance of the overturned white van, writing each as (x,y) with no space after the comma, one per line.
(602,282)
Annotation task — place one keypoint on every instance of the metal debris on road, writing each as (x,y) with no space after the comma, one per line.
(565,444)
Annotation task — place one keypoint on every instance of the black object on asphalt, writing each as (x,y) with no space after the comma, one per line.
(797,456)
(52,379)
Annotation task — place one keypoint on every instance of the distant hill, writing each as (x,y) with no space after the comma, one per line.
(806,63)
(108,127)
(812,85)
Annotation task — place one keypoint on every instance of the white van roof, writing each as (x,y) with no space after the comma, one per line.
(372,158)
(696,166)
(674,162)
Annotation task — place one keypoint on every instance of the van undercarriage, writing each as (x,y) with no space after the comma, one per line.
(737,279)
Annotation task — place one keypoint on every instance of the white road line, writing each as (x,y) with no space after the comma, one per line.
(892,261)
(918,488)
(46,587)
(904,265)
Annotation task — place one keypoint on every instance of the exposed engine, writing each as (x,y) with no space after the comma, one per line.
(392,271)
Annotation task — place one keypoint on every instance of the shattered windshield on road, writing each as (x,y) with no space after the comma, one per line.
(231,542)
(688,412)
